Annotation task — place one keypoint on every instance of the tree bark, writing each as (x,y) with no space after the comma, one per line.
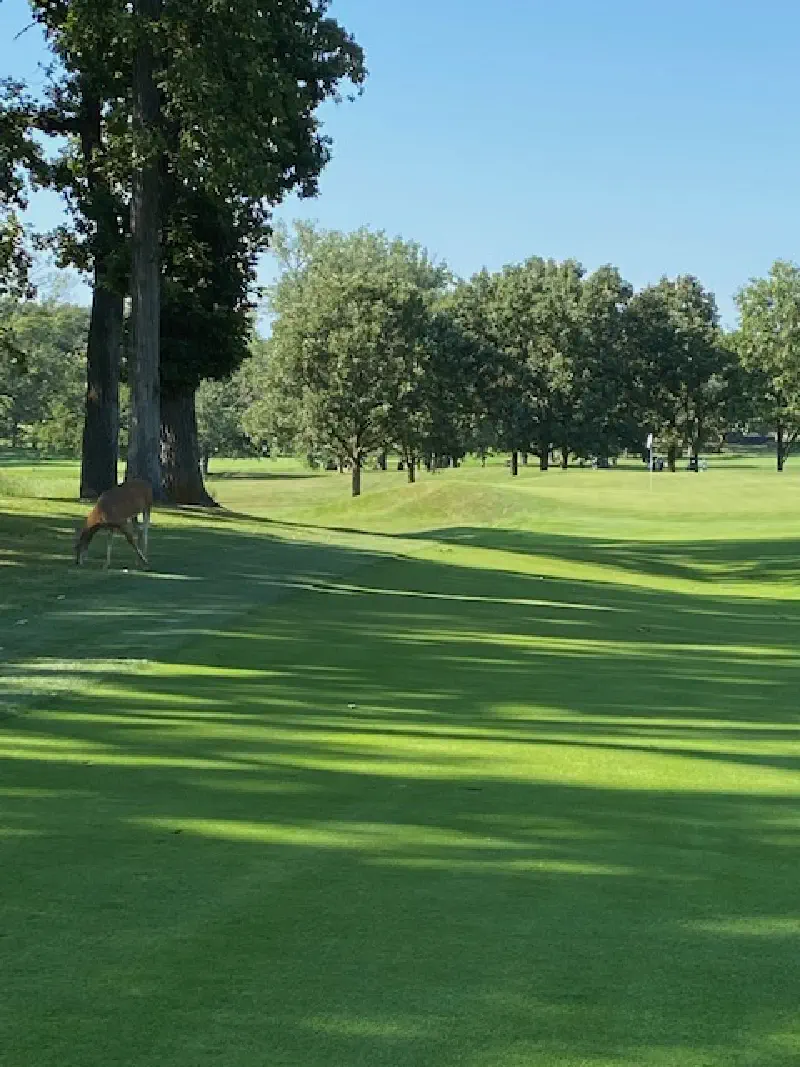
(182,480)
(143,447)
(564,457)
(100,450)
(544,458)
(204,461)
(356,475)
(515,462)
(382,461)
(524,459)
(411,469)
(781,455)
(672,457)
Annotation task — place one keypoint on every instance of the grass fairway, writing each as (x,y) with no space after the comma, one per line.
(476,773)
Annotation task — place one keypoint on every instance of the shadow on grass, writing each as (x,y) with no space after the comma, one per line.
(757,560)
(261,476)
(420,813)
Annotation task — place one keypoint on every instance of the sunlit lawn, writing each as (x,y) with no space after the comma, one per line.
(473,772)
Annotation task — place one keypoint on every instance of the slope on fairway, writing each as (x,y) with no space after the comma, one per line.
(497,796)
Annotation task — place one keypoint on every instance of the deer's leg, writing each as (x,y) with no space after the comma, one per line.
(145,527)
(132,542)
(109,545)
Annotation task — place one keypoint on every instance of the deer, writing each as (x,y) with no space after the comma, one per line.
(117,510)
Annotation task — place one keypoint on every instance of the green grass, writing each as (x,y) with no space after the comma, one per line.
(474,772)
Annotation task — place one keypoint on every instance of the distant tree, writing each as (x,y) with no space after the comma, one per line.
(600,419)
(768,341)
(273,405)
(220,411)
(530,318)
(681,363)
(352,311)
(41,392)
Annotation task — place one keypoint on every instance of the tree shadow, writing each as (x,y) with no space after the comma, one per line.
(413,813)
(757,560)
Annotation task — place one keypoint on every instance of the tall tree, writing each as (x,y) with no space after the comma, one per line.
(148,165)
(222,96)
(351,314)
(206,319)
(769,345)
(678,347)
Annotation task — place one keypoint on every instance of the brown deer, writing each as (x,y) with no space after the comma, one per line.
(117,509)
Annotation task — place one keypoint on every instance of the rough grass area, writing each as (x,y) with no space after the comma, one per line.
(473,772)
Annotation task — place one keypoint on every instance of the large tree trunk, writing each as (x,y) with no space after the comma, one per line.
(356,475)
(411,468)
(564,457)
(672,457)
(780,448)
(382,461)
(544,458)
(100,450)
(182,479)
(515,462)
(143,447)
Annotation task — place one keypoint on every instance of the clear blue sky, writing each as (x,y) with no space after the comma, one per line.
(663,138)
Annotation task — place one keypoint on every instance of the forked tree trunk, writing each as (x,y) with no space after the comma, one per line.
(515,462)
(356,475)
(182,480)
(100,450)
(143,446)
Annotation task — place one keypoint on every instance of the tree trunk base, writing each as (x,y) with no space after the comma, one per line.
(182,479)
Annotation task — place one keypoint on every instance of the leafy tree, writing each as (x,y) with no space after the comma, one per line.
(273,415)
(769,345)
(351,315)
(208,269)
(599,418)
(528,314)
(41,374)
(174,103)
(220,412)
(682,362)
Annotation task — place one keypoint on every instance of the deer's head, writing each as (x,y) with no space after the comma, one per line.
(79,546)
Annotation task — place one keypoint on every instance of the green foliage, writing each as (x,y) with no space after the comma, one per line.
(208,268)
(42,374)
(220,412)
(685,371)
(351,340)
(768,342)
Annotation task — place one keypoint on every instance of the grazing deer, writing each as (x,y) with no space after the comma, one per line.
(117,509)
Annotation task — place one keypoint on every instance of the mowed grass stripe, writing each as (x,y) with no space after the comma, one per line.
(427,812)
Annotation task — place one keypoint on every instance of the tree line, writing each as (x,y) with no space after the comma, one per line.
(175,128)
(172,128)
(377,348)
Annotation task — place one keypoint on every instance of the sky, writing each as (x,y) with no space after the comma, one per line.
(661,137)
